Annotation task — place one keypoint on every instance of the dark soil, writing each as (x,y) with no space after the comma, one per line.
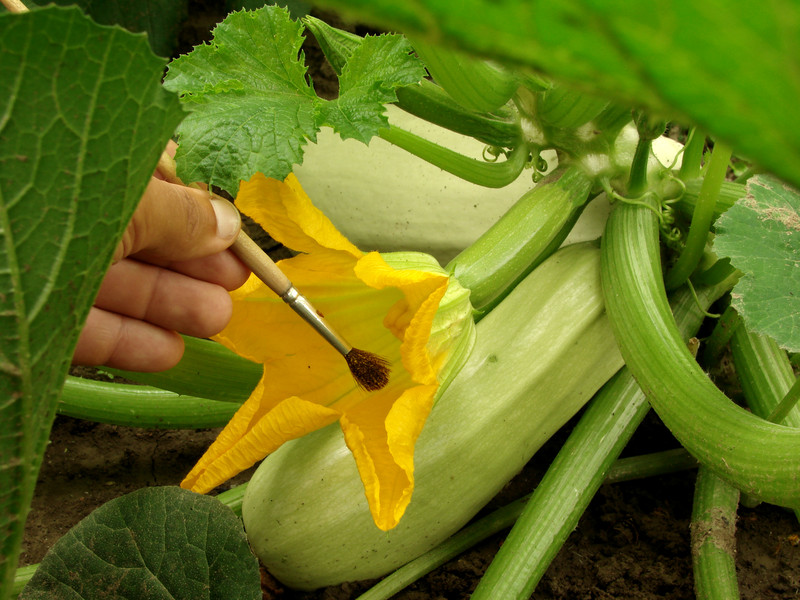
(632,542)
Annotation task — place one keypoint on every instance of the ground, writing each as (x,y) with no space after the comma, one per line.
(632,543)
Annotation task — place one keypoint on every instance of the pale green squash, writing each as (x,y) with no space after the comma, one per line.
(539,356)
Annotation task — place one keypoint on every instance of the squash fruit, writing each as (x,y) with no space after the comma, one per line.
(538,357)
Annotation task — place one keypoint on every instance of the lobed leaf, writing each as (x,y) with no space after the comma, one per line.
(761,235)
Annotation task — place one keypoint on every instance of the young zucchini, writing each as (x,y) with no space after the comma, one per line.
(538,357)
(760,458)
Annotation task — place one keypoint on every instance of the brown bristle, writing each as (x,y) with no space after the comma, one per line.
(370,371)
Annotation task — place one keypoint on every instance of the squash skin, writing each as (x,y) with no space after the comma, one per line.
(384,198)
(539,356)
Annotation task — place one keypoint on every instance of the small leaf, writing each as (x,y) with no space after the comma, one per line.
(252,108)
(761,235)
(155,543)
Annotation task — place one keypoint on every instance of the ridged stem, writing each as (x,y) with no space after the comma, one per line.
(425,99)
(637,180)
(713,533)
(140,406)
(635,467)
(765,374)
(787,404)
(721,335)
(479,172)
(474,83)
(701,219)
(692,159)
(767,379)
(729,193)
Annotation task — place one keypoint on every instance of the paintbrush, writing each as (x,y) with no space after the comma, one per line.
(370,371)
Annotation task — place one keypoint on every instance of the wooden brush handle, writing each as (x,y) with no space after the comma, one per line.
(244,247)
(261,264)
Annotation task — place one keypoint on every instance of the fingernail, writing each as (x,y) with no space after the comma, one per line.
(228,219)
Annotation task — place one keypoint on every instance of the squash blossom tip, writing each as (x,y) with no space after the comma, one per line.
(402,306)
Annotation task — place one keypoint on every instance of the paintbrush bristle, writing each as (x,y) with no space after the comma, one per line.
(370,371)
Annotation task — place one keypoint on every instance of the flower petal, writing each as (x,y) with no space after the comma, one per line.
(410,319)
(381,436)
(285,211)
(251,435)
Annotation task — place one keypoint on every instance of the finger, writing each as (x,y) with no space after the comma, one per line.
(176,223)
(171,149)
(123,343)
(222,269)
(165,298)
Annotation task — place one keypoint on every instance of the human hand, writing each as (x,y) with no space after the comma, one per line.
(171,273)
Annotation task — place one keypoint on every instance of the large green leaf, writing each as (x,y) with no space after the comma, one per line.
(253,109)
(160,19)
(155,543)
(731,66)
(761,235)
(83,119)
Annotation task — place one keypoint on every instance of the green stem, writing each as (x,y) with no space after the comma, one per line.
(729,193)
(758,457)
(713,532)
(424,99)
(637,467)
(637,181)
(786,405)
(765,374)
(702,218)
(649,465)
(767,381)
(479,172)
(721,335)
(233,498)
(140,406)
(746,174)
(472,82)
(428,101)
(21,578)
(692,159)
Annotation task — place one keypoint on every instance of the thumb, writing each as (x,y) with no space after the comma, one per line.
(177,223)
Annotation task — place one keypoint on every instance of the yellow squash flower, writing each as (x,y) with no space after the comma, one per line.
(388,305)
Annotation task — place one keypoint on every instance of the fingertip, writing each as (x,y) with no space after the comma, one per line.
(229,221)
(178,223)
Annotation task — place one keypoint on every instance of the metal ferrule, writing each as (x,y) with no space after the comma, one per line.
(304,308)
